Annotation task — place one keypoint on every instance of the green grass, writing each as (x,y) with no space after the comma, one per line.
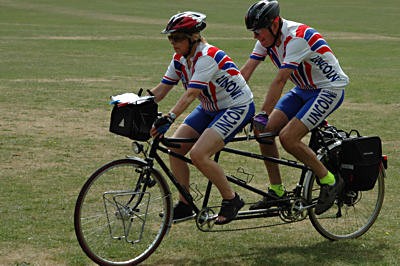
(61,60)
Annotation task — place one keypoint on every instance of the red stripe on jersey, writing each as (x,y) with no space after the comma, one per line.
(170,79)
(314,39)
(286,41)
(259,55)
(212,51)
(201,83)
(186,77)
(177,57)
(213,93)
(284,45)
(300,30)
(308,73)
(233,72)
(324,49)
(223,61)
(196,57)
(299,79)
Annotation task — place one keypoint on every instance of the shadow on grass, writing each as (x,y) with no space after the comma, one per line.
(350,252)
(346,252)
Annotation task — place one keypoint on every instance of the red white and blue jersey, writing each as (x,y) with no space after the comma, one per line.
(305,51)
(215,74)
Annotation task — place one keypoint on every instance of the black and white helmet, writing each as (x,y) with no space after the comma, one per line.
(187,22)
(262,14)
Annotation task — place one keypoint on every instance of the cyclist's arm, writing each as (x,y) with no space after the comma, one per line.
(186,99)
(248,68)
(161,90)
(275,89)
(205,69)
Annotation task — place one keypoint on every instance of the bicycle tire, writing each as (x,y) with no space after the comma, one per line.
(354,217)
(116,221)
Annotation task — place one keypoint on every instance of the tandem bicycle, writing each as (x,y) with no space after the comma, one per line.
(124,209)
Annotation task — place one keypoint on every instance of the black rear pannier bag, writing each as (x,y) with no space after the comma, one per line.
(134,120)
(360,161)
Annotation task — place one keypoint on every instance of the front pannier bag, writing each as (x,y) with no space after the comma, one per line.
(134,120)
(360,161)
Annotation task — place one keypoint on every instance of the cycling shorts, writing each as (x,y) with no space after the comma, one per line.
(310,106)
(227,122)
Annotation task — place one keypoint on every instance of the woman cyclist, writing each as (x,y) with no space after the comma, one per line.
(226,105)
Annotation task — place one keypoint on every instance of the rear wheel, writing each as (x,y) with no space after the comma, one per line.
(117,213)
(353,212)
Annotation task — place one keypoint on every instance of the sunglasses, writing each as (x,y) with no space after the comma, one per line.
(177,37)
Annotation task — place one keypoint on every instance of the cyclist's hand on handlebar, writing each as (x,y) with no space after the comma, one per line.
(161,125)
(260,121)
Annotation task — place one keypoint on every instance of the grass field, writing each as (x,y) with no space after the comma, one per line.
(61,60)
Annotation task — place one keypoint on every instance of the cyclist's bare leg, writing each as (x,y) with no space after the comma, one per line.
(209,143)
(277,120)
(271,150)
(180,168)
(290,138)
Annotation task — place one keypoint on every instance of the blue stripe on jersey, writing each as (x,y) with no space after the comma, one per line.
(301,72)
(309,33)
(169,82)
(177,65)
(208,102)
(228,65)
(294,79)
(291,66)
(197,86)
(318,44)
(256,57)
(275,58)
(219,56)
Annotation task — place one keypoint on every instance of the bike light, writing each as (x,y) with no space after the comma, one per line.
(137,147)
(385,161)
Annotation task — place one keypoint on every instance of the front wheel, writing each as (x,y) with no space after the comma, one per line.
(117,214)
(353,212)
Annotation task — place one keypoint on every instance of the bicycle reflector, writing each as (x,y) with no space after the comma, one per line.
(137,147)
(385,161)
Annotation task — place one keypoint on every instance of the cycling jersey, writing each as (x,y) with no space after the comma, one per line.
(215,74)
(305,51)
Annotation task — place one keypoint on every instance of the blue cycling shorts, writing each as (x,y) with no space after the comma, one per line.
(227,122)
(310,106)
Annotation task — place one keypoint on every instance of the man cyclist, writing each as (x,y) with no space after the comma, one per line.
(226,105)
(302,55)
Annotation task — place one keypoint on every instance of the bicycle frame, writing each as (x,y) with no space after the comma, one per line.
(173,142)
